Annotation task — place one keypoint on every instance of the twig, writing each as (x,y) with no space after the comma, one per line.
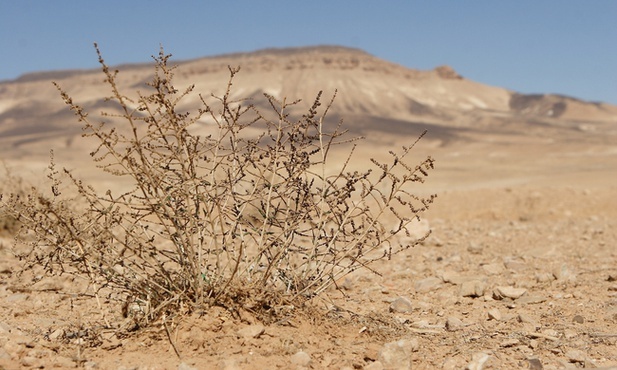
(173,345)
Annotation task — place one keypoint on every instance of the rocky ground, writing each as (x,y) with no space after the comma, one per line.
(519,272)
(522,277)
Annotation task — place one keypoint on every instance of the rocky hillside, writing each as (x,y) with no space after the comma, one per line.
(370,90)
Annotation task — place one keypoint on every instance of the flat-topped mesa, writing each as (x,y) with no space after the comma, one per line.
(300,58)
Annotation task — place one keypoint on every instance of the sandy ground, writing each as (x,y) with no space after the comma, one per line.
(519,272)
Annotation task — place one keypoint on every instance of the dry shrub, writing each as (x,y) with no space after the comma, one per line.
(14,185)
(215,217)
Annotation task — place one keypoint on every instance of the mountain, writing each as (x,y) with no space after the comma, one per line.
(377,98)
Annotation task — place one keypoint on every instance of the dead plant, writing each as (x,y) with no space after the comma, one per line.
(213,214)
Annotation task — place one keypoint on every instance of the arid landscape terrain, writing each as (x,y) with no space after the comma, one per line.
(520,271)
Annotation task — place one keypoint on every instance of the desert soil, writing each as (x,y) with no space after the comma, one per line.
(520,272)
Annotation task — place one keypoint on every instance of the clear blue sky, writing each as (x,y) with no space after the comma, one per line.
(532,46)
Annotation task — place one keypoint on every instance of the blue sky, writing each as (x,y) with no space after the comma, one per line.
(531,46)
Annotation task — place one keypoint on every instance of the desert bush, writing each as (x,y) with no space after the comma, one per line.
(223,217)
(10,184)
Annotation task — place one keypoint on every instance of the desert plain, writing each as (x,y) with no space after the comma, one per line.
(519,272)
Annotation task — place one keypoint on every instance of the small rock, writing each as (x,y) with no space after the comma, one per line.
(526,319)
(28,361)
(421,324)
(428,284)
(544,277)
(531,299)
(401,305)
(509,342)
(456,279)
(578,319)
(473,288)
(396,355)
(515,265)
(494,314)
(251,331)
(575,355)
(535,364)
(502,292)
(493,268)
(63,362)
(564,273)
(453,324)
(301,359)
(90,365)
(477,361)
(474,248)
(551,333)
(56,334)
(612,277)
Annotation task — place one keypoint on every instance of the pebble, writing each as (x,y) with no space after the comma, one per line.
(515,265)
(534,364)
(578,319)
(502,292)
(509,342)
(494,314)
(427,284)
(493,268)
(564,273)
(526,319)
(477,361)
(90,365)
(28,361)
(56,334)
(544,277)
(185,366)
(531,299)
(456,279)
(474,248)
(63,362)
(301,359)
(401,305)
(397,355)
(575,355)
(453,324)
(473,288)
(251,331)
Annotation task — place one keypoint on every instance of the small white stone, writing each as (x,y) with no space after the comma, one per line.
(301,359)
